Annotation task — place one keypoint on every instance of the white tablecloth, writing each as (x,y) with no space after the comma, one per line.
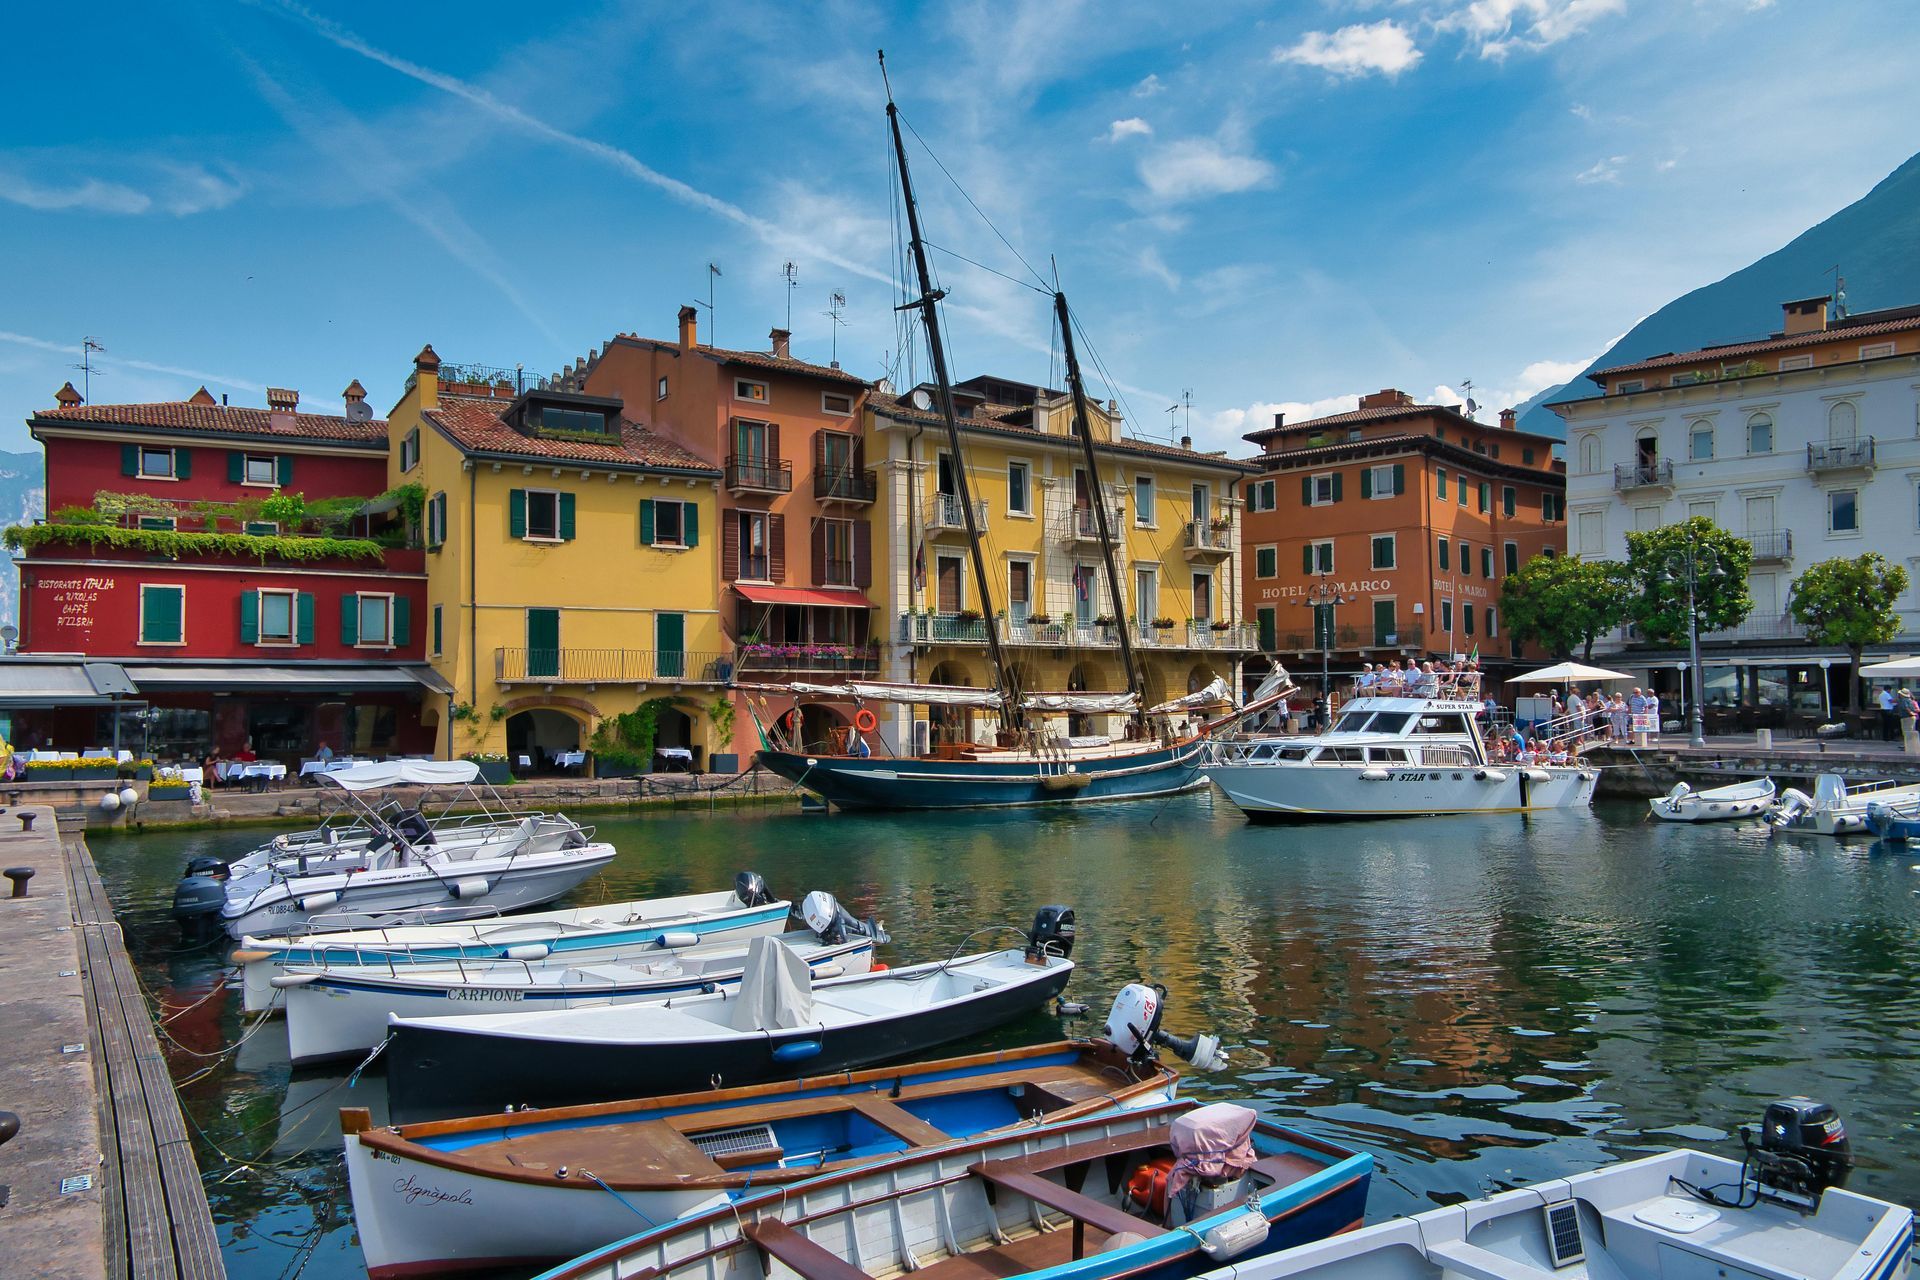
(676,753)
(568,759)
(229,769)
(310,767)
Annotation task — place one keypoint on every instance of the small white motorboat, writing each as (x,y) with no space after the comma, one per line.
(1717,804)
(1837,807)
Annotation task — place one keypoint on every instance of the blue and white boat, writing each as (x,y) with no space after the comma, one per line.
(1893,822)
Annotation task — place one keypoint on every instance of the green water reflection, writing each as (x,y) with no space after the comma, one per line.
(1479,1002)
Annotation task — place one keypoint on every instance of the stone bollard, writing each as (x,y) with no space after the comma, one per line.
(26,820)
(19,876)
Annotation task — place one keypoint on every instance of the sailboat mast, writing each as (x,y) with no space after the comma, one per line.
(937,355)
(1082,427)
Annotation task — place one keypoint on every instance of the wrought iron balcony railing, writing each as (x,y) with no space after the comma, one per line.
(759,474)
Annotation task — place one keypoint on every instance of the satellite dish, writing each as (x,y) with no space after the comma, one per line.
(921,400)
(359,411)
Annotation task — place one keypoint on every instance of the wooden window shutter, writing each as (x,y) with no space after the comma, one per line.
(646,522)
(777,548)
(1366,482)
(183,464)
(350,619)
(236,466)
(1336,486)
(1399,478)
(863,554)
(516,513)
(402,620)
(773,443)
(730,548)
(1306,491)
(860,454)
(129,459)
(283,469)
(689,524)
(249,617)
(304,614)
(1306,558)
(819,540)
(819,451)
(566,517)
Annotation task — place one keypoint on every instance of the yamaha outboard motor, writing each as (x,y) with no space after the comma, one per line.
(198,897)
(1134,1028)
(751,889)
(834,923)
(1052,933)
(1800,1150)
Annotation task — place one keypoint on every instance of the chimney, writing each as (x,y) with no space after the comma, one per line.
(355,393)
(202,397)
(782,344)
(426,377)
(689,328)
(67,396)
(1807,315)
(282,402)
(1507,419)
(1387,398)
(1279,421)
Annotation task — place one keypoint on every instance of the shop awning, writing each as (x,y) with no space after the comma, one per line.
(290,678)
(27,681)
(828,597)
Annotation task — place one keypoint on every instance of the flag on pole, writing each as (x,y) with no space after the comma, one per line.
(1473,654)
(920,565)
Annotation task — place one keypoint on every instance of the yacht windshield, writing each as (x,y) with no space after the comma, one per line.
(1391,721)
(1352,722)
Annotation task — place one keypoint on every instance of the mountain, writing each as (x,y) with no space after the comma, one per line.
(1875,240)
(23,499)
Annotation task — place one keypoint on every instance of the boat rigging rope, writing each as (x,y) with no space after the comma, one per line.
(353,1077)
(600,1182)
(897,975)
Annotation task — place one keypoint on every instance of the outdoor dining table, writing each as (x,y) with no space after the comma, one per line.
(569,759)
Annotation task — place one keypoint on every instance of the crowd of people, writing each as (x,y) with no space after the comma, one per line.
(1457,679)
(1613,716)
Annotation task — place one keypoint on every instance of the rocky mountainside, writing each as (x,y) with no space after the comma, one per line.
(23,498)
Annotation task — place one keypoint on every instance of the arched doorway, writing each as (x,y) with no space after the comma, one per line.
(540,735)
(674,730)
(950,725)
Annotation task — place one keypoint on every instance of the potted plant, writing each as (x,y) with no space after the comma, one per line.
(494,768)
(623,745)
(95,770)
(1039,620)
(1221,524)
(1222,625)
(720,715)
(1104,620)
(967,616)
(60,770)
(164,791)
(1163,624)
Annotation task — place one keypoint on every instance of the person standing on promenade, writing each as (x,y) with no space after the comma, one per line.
(1889,719)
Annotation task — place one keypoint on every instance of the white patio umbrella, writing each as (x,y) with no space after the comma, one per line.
(1892,669)
(1568,672)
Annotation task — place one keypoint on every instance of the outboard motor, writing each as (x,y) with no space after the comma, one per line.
(414,827)
(1134,1028)
(1800,1150)
(198,897)
(1052,933)
(834,923)
(1789,808)
(751,889)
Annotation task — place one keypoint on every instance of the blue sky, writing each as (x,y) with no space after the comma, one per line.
(1271,206)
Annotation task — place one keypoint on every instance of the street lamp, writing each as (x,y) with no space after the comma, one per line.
(1325,594)
(1701,564)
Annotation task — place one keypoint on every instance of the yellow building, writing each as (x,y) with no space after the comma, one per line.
(571,571)
(1174,513)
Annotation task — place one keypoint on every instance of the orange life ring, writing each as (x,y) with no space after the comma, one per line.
(865,721)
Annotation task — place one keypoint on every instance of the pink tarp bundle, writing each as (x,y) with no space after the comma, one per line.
(1214,1141)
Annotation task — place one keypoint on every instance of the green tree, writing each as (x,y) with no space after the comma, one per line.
(1852,603)
(1564,602)
(1657,566)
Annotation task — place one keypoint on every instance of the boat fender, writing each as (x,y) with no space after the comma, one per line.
(675,940)
(828,971)
(282,981)
(1235,1236)
(471,887)
(877,968)
(318,901)
(1373,775)
(528,951)
(797,1051)
(1491,775)
(1539,775)
(247,955)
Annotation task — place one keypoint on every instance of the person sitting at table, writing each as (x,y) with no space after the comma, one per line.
(245,754)
(325,754)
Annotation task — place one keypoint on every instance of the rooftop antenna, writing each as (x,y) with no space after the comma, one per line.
(836,302)
(792,273)
(1839,292)
(88,346)
(713,273)
(1473,406)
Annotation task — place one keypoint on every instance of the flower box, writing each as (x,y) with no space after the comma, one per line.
(494,772)
(105,771)
(161,793)
(49,772)
(723,762)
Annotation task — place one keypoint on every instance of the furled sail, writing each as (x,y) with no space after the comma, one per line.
(1084,703)
(941,695)
(1211,696)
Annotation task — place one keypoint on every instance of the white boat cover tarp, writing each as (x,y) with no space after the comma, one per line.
(1213,695)
(929,694)
(393,773)
(1081,702)
(776,990)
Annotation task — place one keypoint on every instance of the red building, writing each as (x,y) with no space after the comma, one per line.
(244,566)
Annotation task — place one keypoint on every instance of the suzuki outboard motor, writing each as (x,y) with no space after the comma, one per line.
(834,923)
(751,889)
(1134,1028)
(198,897)
(1800,1150)
(1052,933)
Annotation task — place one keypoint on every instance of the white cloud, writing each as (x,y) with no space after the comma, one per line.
(168,187)
(1154,265)
(1259,415)
(107,360)
(1195,168)
(1384,47)
(1581,110)
(1148,87)
(1605,170)
(1131,127)
(1500,27)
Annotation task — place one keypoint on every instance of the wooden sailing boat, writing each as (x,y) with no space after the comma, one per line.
(1027,765)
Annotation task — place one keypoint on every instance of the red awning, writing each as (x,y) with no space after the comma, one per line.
(830,597)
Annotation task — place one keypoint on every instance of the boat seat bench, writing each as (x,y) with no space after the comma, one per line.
(1083,1209)
(776,1239)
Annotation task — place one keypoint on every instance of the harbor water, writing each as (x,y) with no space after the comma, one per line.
(1479,1002)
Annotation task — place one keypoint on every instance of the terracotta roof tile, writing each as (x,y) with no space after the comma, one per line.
(199,417)
(475,425)
(754,359)
(1385,413)
(900,411)
(1843,333)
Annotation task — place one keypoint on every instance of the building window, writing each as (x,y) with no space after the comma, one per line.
(1446,616)
(837,403)
(669,524)
(1460,491)
(1266,622)
(1383,550)
(1507,497)
(1553,507)
(1843,423)
(1446,555)
(1318,557)
(1202,504)
(1019,590)
(1266,562)
(1705,510)
(1466,617)
(1592,533)
(540,515)
(1700,442)
(156,464)
(438,634)
(660,390)
(263,470)
(1146,594)
(1466,561)
(1631,386)
(1440,483)
(1875,351)
(262,528)
(276,617)
(747,389)
(836,544)
(1795,362)
(1382,481)
(437,519)
(1486,497)
(1143,500)
(375,616)
(1323,490)
(1493,624)
(1019,489)
(409,456)
(1261,495)
(162,614)
(1486,563)
(1513,558)
(754,562)
(1843,511)
(1759,434)
(1526,456)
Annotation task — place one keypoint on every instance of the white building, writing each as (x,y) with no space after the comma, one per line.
(1806,443)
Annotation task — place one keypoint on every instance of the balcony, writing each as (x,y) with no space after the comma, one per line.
(1642,475)
(1775,628)
(945,514)
(1410,636)
(942,628)
(759,661)
(1854,455)
(759,475)
(844,486)
(1070,633)
(1772,547)
(1209,540)
(1238,636)
(610,666)
(1080,524)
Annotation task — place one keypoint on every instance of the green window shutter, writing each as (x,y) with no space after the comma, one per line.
(1336,486)
(402,620)
(646,522)
(1366,482)
(690,524)
(350,619)
(304,626)
(236,466)
(566,517)
(250,617)
(1306,491)
(182,464)
(283,467)
(1399,478)
(129,459)
(516,513)
(160,609)
(436,629)
(1440,483)
(1306,558)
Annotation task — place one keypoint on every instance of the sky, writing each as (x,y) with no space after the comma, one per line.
(1263,207)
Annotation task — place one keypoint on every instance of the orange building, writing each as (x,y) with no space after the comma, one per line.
(1413,512)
